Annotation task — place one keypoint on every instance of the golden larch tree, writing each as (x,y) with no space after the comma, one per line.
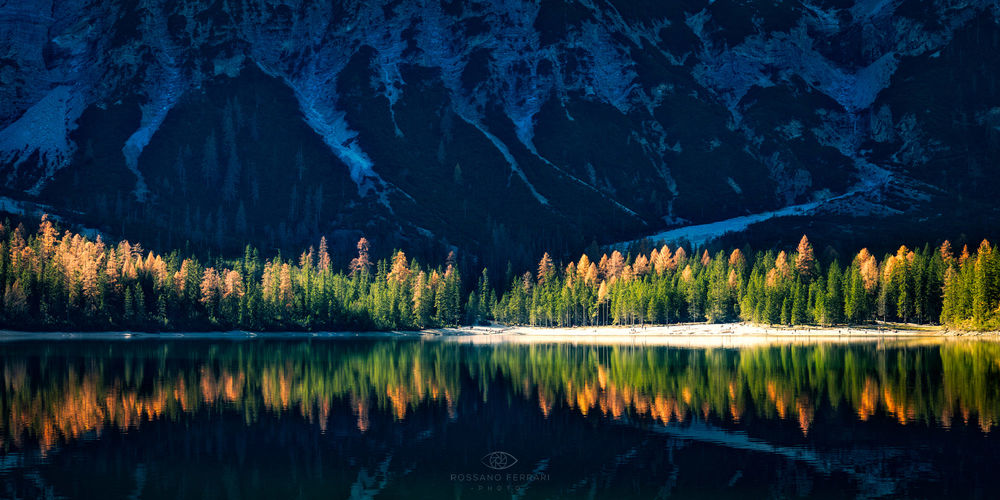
(641,265)
(679,257)
(324,255)
(361,263)
(664,260)
(285,285)
(616,264)
(591,275)
(211,286)
(545,268)
(400,271)
(805,259)
(583,265)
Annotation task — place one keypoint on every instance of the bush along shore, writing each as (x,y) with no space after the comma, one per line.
(52,280)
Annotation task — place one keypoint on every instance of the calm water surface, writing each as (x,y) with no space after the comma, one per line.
(413,418)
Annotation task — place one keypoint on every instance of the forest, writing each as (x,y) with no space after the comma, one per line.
(61,280)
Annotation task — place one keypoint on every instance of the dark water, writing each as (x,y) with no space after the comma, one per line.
(386,418)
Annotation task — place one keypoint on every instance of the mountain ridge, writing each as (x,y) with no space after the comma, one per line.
(560,123)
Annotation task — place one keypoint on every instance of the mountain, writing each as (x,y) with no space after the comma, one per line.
(500,128)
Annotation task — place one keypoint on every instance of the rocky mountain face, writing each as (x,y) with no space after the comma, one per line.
(498,127)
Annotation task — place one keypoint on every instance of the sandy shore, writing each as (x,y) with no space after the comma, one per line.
(686,334)
(707,335)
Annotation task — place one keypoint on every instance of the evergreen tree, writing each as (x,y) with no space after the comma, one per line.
(800,307)
(720,292)
(833,309)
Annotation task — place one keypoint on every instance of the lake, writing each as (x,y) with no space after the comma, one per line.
(443,418)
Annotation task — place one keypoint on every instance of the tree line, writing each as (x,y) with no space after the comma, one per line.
(48,280)
(928,285)
(51,280)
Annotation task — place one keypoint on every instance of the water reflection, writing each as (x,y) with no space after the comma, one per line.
(61,391)
(58,393)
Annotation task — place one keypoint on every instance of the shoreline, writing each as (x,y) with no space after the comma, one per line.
(691,334)
(713,334)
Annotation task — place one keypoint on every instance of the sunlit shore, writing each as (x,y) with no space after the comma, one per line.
(705,334)
(692,334)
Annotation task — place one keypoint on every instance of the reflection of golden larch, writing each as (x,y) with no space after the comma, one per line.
(47,440)
(778,398)
(806,414)
(361,410)
(869,400)
(267,388)
(641,403)
(398,399)
(586,398)
(180,393)
(897,409)
(686,395)
(661,410)
(946,416)
(617,404)
(581,401)
(324,414)
(602,376)
(626,394)
(285,388)
(233,386)
(985,423)
(544,404)
(208,388)
(779,405)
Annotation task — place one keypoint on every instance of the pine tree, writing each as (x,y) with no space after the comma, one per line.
(951,297)
(720,292)
(834,300)
(487,297)
(799,313)
(786,310)
(855,297)
(984,288)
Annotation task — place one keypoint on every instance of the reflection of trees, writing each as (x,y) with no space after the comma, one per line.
(65,391)
(69,394)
